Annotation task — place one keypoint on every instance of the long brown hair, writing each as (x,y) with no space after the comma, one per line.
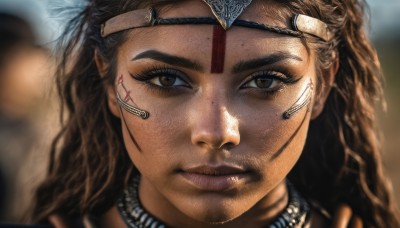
(341,160)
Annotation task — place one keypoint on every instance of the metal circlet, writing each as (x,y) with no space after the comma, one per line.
(148,17)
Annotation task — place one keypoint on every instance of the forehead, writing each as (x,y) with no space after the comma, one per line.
(195,41)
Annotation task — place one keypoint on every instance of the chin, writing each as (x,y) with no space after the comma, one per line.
(216,219)
(212,213)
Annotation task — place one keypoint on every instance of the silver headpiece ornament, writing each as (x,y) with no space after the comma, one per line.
(227,11)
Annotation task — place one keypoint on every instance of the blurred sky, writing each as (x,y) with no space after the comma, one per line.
(47,18)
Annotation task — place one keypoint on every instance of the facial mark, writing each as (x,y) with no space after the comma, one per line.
(302,101)
(120,82)
(287,143)
(218,49)
(123,102)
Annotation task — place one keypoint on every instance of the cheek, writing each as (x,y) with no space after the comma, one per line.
(275,143)
(158,139)
(272,135)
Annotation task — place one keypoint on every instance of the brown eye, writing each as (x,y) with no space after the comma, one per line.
(164,78)
(167,78)
(264,82)
(167,81)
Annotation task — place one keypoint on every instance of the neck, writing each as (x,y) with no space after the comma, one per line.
(262,213)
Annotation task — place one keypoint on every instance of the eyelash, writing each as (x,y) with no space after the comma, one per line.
(282,76)
(156,72)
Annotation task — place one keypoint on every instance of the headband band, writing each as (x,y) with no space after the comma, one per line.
(148,17)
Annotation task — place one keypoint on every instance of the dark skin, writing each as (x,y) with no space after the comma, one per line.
(343,218)
(228,131)
(233,118)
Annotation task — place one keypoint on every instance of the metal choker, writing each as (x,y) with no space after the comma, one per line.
(296,213)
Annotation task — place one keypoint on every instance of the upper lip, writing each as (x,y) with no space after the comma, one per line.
(215,170)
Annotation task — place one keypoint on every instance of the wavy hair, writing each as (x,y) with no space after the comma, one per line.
(341,161)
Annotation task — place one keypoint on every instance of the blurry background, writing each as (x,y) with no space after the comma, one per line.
(384,30)
(27,106)
(26,130)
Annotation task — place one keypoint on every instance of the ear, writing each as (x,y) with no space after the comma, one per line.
(327,81)
(102,67)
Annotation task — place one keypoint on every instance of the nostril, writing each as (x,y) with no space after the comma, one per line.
(201,144)
(228,146)
(216,145)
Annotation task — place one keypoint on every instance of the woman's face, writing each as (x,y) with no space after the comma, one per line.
(215,145)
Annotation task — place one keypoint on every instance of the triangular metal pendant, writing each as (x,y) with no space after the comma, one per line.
(227,11)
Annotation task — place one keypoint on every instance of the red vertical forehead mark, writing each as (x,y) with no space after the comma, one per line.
(218,49)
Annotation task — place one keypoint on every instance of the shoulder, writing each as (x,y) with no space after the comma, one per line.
(342,217)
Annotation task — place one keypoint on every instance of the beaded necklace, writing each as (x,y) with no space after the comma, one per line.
(295,214)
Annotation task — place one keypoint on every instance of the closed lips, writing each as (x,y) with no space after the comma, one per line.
(215,171)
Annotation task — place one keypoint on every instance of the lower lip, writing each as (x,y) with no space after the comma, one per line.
(214,183)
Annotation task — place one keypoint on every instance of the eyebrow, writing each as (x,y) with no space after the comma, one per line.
(169,59)
(266,60)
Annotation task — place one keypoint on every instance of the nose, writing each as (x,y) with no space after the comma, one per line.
(214,127)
